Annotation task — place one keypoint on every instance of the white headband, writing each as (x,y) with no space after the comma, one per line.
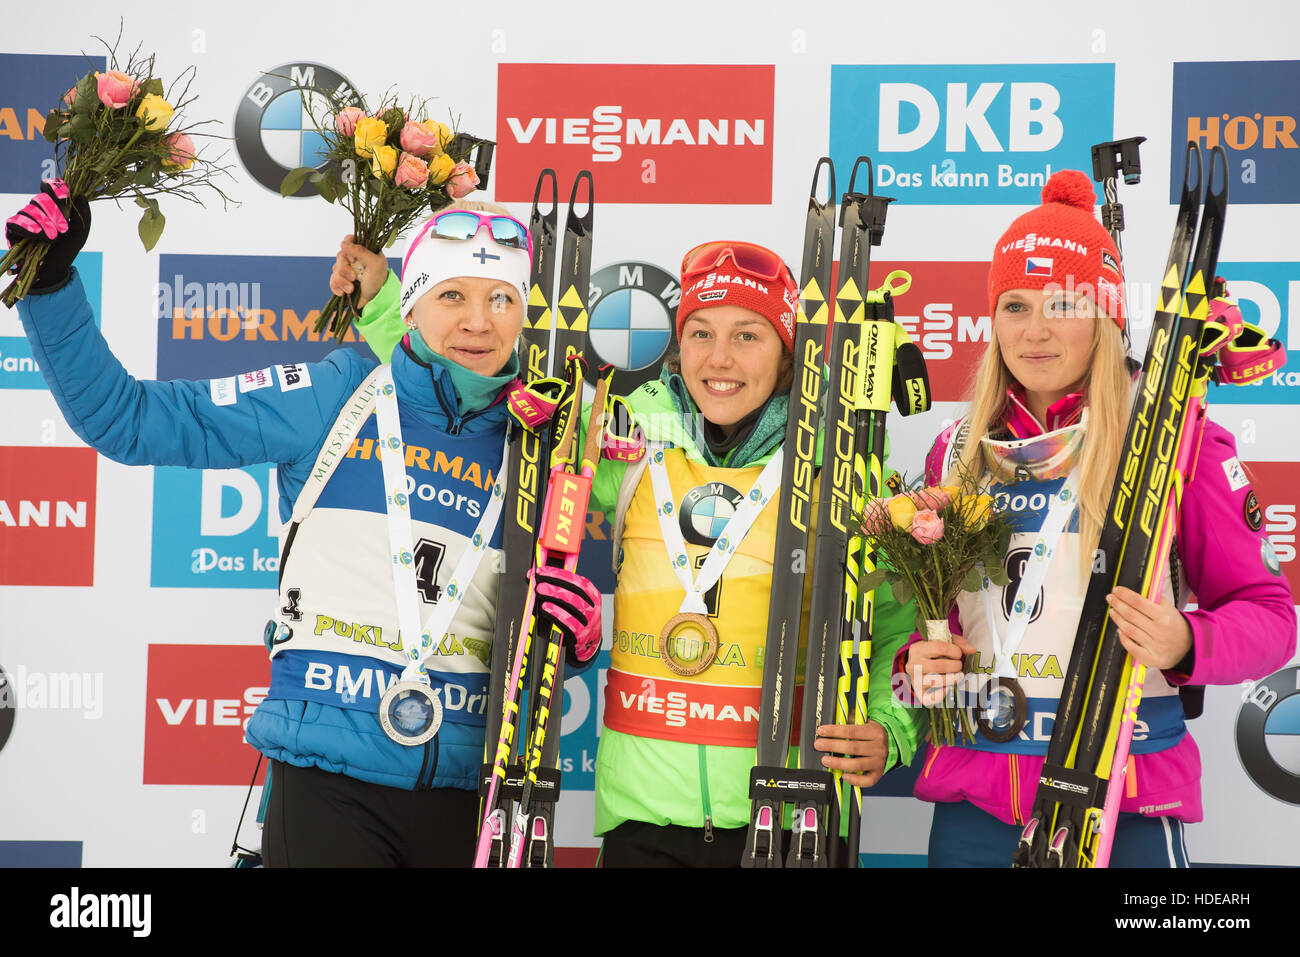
(431,260)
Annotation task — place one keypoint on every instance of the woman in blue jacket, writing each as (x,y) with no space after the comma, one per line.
(382,639)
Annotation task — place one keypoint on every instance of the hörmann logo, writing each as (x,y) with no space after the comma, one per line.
(651,133)
(1249,108)
(969,133)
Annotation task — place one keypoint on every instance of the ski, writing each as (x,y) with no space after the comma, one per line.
(768,787)
(570,315)
(815,830)
(890,367)
(551,328)
(523,479)
(1075,788)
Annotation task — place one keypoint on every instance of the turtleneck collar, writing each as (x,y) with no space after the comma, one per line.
(1022,424)
(474,392)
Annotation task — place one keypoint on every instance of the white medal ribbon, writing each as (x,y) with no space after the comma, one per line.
(400,538)
(1058,515)
(733,533)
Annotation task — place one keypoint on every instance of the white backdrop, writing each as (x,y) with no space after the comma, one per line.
(88,767)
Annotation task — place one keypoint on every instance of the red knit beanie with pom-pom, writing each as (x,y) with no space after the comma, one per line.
(1062,245)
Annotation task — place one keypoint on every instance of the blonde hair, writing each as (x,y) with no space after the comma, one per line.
(478,206)
(1107,394)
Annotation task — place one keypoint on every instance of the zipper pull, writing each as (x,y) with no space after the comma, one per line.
(708,829)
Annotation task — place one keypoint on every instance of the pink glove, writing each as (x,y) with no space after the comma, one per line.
(572,602)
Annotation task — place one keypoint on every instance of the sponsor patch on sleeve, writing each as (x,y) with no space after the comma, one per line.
(293,376)
(1235,473)
(1254,515)
(223,391)
(1269,558)
(257,379)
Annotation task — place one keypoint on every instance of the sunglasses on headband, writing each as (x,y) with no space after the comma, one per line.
(465,224)
(754,260)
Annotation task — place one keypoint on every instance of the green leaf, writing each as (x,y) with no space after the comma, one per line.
(327,189)
(999,576)
(972,581)
(872,581)
(145,176)
(903,592)
(154,86)
(151,227)
(53,123)
(87,101)
(315,177)
(294,179)
(81,129)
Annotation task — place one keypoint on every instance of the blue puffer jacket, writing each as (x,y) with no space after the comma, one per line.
(213,425)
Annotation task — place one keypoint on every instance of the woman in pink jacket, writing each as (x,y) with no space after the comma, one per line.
(1050,405)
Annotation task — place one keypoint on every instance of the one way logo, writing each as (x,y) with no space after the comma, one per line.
(198,701)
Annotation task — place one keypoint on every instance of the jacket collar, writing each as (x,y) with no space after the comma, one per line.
(428,390)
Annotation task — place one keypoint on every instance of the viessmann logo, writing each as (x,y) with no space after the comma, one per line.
(678,133)
(199,700)
(946,314)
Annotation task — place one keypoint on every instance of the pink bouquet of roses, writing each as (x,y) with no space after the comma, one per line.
(390,171)
(931,544)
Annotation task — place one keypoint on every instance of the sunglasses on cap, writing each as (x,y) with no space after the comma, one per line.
(756,261)
(465,224)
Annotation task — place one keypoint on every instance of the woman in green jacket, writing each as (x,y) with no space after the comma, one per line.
(675,755)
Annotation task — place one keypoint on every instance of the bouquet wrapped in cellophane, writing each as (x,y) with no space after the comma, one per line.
(118,134)
(931,544)
(390,168)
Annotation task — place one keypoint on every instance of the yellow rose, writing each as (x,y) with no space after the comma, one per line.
(155,111)
(370,133)
(440,168)
(901,510)
(444,134)
(976,509)
(383,160)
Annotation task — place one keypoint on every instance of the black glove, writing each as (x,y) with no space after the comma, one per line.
(52,217)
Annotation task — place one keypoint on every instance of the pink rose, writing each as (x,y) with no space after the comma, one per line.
(932,497)
(115,89)
(346,121)
(462,181)
(182,151)
(418,141)
(875,517)
(412,172)
(927,527)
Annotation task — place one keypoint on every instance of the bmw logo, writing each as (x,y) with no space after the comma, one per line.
(705,511)
(1268,734)
(633,310)
(274,130)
